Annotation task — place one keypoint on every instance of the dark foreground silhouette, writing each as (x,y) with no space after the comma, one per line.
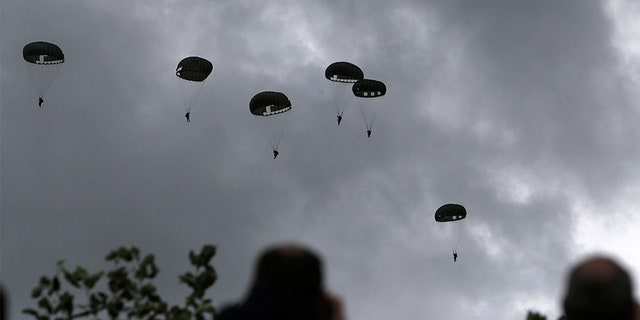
(127,292)
(600,289)
(3,304)
(287,285)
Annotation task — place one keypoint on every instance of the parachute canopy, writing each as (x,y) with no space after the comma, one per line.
(268,103)
(194,69)
(41,52)
(450,212)
(43,62)
(367,88)
(343,72)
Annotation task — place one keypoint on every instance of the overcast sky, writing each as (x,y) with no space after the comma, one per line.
(525,112)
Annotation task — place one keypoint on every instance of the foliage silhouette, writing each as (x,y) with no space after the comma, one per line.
(534,315)
(129,291)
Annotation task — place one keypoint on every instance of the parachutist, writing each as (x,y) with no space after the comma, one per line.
(270,105)
(339,119)
(452,213)
(194,71)
(45,57)
(368,133)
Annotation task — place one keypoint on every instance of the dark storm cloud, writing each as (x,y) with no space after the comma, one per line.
(565,85)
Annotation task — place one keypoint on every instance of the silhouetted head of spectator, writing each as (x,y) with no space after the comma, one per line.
(3,304)
(289,270)
(287,285)
(599,289)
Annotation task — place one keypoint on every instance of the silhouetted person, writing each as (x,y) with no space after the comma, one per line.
(287,285)
(455,256)
(188,116)
(368,133)
(339,118)
(275,153)
(3,304)
(40,101)
(599,289)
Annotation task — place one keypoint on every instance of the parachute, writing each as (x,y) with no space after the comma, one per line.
(269,103)
(43,61)
(449,218)
(450,212)
(372,91)
(271,111)
(342,74)
(194,71)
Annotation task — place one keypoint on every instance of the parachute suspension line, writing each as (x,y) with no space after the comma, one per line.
(341,100)
(43,82)
(458,238)
(335,103)
(34,80)
(185,101)
(446,238)
(284,125)
(375,113)
(191,101)
(364,115)
(197,94)
(264,133)
(48,84)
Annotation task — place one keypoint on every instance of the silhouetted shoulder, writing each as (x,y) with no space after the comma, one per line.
(232,312)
